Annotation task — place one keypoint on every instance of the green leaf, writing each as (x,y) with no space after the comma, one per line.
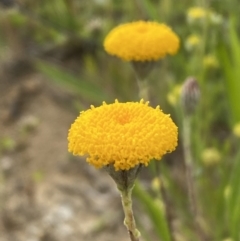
(230,62)
(154,211)
(150,9)
(85,89)
(233,200)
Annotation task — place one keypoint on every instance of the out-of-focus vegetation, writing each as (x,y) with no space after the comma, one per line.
(63,40)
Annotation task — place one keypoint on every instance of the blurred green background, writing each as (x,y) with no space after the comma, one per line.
(61,41)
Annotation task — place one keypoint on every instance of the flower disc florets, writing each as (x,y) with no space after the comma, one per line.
(141,41)
(122,134)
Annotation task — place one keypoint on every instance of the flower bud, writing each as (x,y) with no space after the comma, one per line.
(190,95)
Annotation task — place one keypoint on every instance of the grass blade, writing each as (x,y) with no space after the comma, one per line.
(87,90)
(154,212)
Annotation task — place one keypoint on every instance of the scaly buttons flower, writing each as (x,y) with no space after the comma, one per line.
(122,134)
(141,41)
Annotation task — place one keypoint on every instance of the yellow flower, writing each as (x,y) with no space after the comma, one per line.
(192,41)
(210,61)
(141,41)
(227,192)
(236,130)
(211,156)
(228,239)
(156,184)
(122,134)
(174,94)
(196,13)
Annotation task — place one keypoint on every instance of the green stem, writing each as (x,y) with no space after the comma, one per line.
(143,89)
(142,70)
(189,177)
(187,140)
(129,220)
(162,194)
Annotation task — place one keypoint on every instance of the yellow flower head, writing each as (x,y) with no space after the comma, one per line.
(227,192)
(122,134)
(228,239)
(141,41)
(236,130)
(211,156)
(174,95)
(196,13)
(192,42)
(210,61)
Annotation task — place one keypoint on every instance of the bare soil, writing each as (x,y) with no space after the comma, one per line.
(46,194)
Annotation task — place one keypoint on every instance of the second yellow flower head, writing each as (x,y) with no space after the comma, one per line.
(141,41)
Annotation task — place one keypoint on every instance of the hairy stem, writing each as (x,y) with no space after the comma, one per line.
(129,220)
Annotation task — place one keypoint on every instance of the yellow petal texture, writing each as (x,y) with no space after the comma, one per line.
(141,41)
(122,134)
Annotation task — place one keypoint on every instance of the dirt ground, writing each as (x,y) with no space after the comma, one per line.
(46,194)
